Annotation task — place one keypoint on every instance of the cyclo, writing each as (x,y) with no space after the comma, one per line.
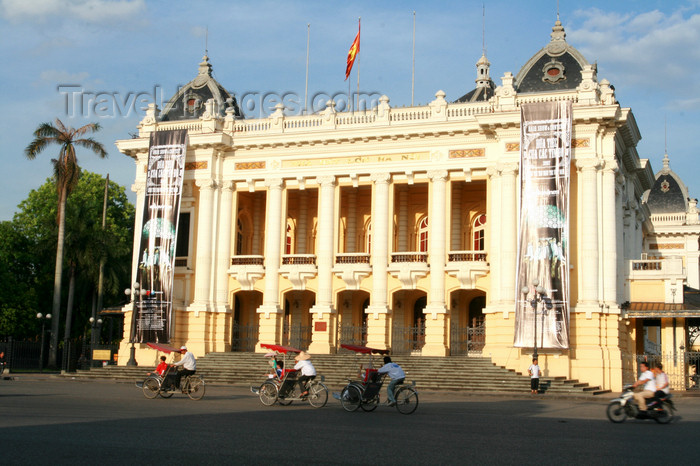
(155,384)
(283,388)
(365,393)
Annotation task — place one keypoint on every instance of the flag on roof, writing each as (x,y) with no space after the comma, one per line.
(352,53)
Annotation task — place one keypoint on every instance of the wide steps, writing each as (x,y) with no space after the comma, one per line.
(459,373)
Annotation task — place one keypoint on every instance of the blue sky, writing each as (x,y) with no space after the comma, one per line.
(647,49)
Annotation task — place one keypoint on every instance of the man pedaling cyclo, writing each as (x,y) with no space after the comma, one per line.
(188,363)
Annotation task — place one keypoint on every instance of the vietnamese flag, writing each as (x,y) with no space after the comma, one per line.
(352,53)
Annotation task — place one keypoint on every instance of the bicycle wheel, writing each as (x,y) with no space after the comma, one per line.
(370,405)
(166,393)
(406,400)
(268,393)
(351,398)
(616,412)
(151,387)
(318,395)
(195,387)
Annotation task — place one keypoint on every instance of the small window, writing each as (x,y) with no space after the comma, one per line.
(182,247)
(478,233)
(423,235)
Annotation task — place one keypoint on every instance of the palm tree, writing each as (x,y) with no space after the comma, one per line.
(66,173)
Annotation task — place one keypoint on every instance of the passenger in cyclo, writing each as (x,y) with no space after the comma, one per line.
(188,363)
(397,376)
(277,369)
(308,371)
(648,389)
(161,368)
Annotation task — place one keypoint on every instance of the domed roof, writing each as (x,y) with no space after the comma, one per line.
(188,102)
(556,67)
(669,194)
(485,88)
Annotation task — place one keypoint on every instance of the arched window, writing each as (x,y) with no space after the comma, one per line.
(239,238)
(478,232)
(423,235)
(368,238)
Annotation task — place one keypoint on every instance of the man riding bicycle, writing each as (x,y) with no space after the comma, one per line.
(188,363)
(397,376)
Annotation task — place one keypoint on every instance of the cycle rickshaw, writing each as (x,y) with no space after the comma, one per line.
(283,389)
(365,393)
(155,384)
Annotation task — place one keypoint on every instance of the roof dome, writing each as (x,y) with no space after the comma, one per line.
(188,102)
(556,67)
(669,194)
(485,88)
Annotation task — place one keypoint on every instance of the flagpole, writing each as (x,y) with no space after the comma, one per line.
(306,85)
(413,65)
(359,49)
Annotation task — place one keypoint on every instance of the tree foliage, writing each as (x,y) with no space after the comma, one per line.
(28,245)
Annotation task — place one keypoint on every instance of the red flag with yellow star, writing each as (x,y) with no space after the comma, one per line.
(352,53)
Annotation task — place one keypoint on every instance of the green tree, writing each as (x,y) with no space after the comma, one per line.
(86,243)
(66,175)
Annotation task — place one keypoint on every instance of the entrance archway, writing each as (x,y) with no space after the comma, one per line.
(352,325)
(467,331)
(244,325)
(296,326)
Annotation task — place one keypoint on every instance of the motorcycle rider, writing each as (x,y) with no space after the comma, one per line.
(646,379)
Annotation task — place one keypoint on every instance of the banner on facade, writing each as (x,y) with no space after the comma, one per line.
(542,319)
(166,169)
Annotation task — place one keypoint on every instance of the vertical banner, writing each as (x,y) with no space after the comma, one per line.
(542,319)
(166,169)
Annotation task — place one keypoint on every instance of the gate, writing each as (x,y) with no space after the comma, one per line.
(406,340)
(467,340)
(244,337)
(296,335)
(682,368)
(352,335)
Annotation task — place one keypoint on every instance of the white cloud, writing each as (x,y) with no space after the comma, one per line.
(651,50)
(92,11)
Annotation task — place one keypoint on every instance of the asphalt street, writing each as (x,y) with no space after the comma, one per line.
(62,421)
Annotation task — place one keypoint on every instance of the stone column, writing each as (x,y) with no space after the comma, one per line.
(456,225)
(435,312)
(270,313)
(223,257)
(378,323)
(588,203)
(302,226)
(323,336)
(609,231)
(202,268)
(493,217)
(509,233)
(402,234)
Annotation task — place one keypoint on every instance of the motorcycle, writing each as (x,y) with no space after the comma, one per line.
(659,409)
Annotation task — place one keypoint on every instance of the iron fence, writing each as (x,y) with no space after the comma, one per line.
(682,368)
(467,340)
(296,335)
(406,340)
(352,335)
(244,337)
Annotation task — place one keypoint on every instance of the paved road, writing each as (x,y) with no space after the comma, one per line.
(61,421)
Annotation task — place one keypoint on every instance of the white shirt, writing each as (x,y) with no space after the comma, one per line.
(188,362)
(393,369)
(661,380)
(534,371)
(306,368)
(649,377)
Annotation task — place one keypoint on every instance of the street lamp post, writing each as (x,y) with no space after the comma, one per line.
(536,299)
(43,318)
(137,292)
(94,340)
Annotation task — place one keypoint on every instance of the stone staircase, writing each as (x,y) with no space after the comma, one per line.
(461,373)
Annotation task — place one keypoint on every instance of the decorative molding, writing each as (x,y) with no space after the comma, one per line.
(467,153)
(250,165)
(202,165)
(512,146)
(576,143)
(667,246)
(380,178)
(357,159)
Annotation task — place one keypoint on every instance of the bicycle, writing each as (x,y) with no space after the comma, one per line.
(192,385)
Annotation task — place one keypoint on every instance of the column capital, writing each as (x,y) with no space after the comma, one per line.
(274,183)
(325,180)
(380,178)
(437,175)
(207,183)
(228,185)
(510,168)
(138,187)
(492,171)
(611,166)
(587,164)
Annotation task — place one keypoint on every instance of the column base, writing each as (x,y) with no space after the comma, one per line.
(269,325)
(323,332)
(198,307)
(378,326)
(435,331)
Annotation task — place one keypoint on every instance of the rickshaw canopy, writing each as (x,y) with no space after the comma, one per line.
(364,349)
(164,348)
(280,348)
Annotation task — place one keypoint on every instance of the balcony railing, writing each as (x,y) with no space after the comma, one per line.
(247,260)
(398,257)
(467,256)
(352,258)
(647,265)
(299,259)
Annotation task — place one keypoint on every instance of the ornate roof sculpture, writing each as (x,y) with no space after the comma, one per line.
(189,101)
(485,87)
(557,66)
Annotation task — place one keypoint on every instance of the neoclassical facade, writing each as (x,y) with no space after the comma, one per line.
(397,227)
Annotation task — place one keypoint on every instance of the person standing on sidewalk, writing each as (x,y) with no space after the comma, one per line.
(534,372)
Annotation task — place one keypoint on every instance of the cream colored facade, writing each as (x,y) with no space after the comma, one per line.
(402,218)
